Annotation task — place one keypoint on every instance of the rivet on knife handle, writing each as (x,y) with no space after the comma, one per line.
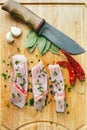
(24,14)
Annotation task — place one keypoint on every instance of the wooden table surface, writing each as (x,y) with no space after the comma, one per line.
(69,16)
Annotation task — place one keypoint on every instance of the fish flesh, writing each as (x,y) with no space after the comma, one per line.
(20,80)
(39,85)
(58,91)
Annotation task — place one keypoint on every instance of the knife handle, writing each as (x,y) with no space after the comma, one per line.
(23,13)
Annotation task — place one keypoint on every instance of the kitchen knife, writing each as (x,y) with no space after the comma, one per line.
(42,28)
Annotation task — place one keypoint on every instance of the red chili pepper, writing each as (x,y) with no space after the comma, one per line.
(77,67)
(23,91)
(70,69)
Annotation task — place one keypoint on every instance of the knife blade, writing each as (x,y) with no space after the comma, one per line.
(41,27)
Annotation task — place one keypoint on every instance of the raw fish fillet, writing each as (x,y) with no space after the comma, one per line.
(57,81)
(20,80)
(39,84)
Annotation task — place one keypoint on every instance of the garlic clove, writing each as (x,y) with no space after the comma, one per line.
(9,37)
(16,31)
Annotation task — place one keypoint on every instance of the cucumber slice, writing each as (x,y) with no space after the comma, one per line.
(54,49)
(48,44)
(30,39)
(31,49)
(41,43)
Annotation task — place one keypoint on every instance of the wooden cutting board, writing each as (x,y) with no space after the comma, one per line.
(70,16)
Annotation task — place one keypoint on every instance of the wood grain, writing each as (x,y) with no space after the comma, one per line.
(50,1)
(70,19)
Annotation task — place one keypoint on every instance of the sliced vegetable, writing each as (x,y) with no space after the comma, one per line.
(54,49)
(70,69)
(31,39)
(41,43)
(48,43)
(77,67)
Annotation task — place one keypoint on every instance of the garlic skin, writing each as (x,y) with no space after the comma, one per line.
(16,31)
(9,37)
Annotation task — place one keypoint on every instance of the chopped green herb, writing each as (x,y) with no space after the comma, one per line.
(31,102)
(19,75)
(13,95)
(26,103)
(69,89)
(7,105)
(10,63)
(22,84)
(16,62)
(66,105)
(36,55)
(65,85)
(8,76)
(3,61)
(30,75)
(37,80)
(54,73)
(18,94)
(4,75)
(30,90)
(18,49)
(53,81)
(41,70)
(41,89)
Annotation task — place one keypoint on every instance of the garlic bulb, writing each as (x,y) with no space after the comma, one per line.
(16,31)
(9,37)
